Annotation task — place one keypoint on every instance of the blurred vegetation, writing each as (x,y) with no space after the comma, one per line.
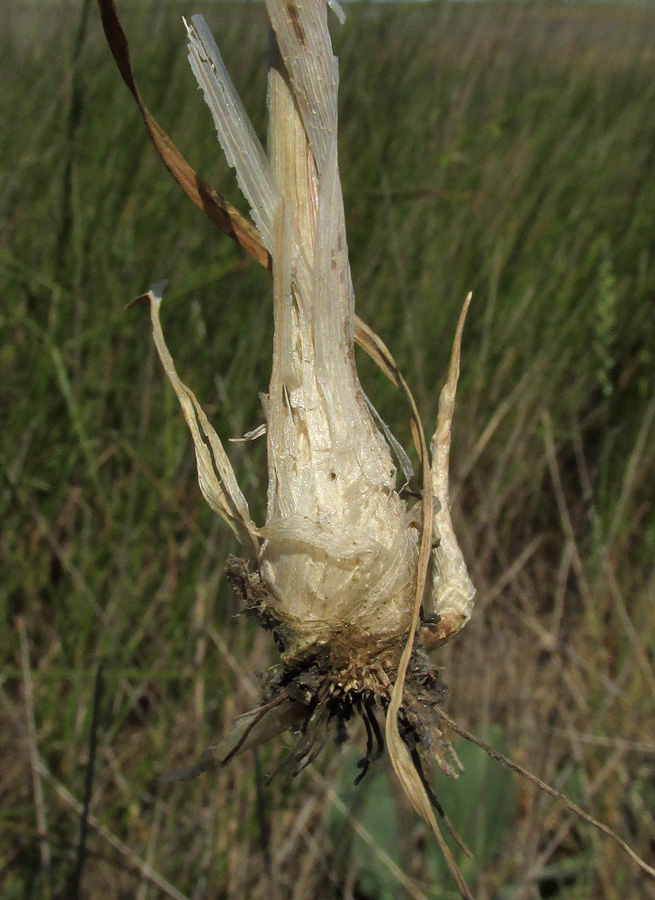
(504,149)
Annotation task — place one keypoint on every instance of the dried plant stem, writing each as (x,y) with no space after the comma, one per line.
(354,585)
(568,804)
(39,804)
(219,211)
(290,153)
(74,804)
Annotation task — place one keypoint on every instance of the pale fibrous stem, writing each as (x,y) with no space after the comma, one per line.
(355,585)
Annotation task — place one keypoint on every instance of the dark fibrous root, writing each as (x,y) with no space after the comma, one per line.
(314,732)
(377,732)
(366,761)
(341,737)
(367,715)
(263,710)
(367,712)
(341,675)
(323,685)
(344,675)
(314,686)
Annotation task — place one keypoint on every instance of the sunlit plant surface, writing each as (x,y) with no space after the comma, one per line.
(513,159)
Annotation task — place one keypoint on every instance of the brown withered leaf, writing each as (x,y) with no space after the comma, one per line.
(216,208)
(219,211)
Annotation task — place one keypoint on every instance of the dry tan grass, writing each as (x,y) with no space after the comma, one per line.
(559,533)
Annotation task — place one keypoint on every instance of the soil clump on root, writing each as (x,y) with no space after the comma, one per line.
(342,674)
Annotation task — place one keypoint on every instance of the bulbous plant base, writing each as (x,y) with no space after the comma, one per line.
(320,686)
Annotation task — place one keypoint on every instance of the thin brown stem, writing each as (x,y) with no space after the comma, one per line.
(568,804)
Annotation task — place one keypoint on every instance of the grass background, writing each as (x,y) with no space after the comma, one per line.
(504,149)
